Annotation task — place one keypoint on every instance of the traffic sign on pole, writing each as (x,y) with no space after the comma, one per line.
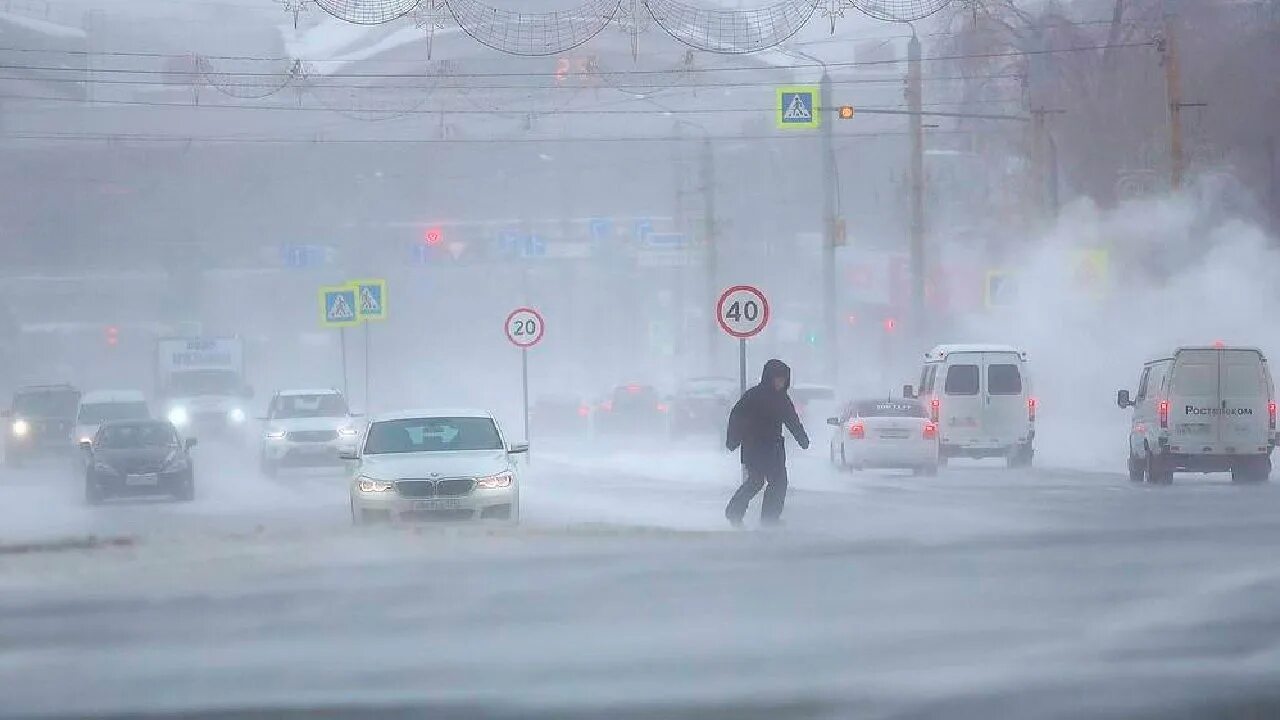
(524,327)
(1001,289)
(338,306)
(798,107)
(742,312)
(371,299)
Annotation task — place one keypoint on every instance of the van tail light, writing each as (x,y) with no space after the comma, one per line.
(1271,414)
(858,431)
(935,407)
(1164,414)
(584,410)
(662,407)
(930,431)
(1031,408)
(607,406)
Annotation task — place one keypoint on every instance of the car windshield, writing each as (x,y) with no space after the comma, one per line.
(204,382)
(98,413)
(309,406)
(46,404)
(127,436)
(437,434)
(890,408)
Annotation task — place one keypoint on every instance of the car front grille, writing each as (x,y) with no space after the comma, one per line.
(311,436)
(416,488)
(444,515)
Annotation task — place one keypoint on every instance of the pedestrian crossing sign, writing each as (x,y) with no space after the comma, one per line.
(371,299)
(798,107)
(338,306)
(1001,289)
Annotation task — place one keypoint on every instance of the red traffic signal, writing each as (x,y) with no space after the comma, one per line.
(113,335)
(433,236)
(890,324)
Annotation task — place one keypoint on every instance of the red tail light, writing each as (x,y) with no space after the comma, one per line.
(662,407)
(583,410)
(607,406)
(858,431)
(633,389)
(1164,413)
(1031,409)
(930,431)
(935,407)
(1271,414)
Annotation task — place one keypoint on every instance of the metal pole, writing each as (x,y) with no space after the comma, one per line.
(1173,86)
(914,103)
(524,382)
(368,404)
(742,366)
(342,340)
(830,182)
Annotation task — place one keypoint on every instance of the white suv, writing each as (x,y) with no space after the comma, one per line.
(307,428)
(1204,409)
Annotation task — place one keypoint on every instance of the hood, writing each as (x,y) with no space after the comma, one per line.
(135,460)
(773,369)
(205,402)
(304,424)
(447,464)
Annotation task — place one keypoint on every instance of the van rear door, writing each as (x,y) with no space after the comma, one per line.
(1193,401)
(1244,422)
(1005,417)
(959,388)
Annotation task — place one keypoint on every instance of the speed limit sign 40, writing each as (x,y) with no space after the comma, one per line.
(742,311)
(525,327)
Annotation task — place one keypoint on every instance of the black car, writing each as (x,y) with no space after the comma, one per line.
(134,458)
(560,416)
(41,421)
(701,406)
(632,410)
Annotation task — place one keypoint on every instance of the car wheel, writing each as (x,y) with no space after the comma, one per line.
(270,468)
(357,518)
(931,470)
(1158,471)
(186,492)
(1137,469)
(1252,471)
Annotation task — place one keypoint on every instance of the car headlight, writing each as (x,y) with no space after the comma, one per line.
(236,415)
(493,482)
(348,432)
(372,485)
(276,434)
(103,468)
(178,416)
(21,428)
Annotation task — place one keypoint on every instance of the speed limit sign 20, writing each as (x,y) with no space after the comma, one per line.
(525,327)
(742,311)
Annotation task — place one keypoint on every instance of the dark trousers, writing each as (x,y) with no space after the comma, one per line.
(771,472)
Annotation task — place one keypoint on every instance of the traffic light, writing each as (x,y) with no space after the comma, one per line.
(433,236)
(845,112)
(890,324)
(812,337)
(113,336)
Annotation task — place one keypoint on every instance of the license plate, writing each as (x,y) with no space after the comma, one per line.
(894,435)
(320,449)
(1193,428)
(142,480)
(438,504)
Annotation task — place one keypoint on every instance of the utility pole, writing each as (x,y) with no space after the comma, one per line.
(831,348)
(710,245)
(914,105)
(1044,163)
(1173,88)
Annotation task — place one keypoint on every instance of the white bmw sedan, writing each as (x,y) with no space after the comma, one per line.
(435,465)
(893,433)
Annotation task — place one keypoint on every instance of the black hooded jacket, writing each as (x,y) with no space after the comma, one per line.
(755,424)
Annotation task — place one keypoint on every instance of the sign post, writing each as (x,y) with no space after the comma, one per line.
(742,312)
(524,328)
(371,304)
(338,309)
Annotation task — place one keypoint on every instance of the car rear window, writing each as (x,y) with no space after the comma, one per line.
(98,413)
(962,380)
(1196,378)
(1004,379)
(890,408)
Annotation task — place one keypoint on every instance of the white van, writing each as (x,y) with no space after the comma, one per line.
(980,398)
(1205,409)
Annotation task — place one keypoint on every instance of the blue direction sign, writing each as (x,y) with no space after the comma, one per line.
(338,306)
(666,241)
(601,229)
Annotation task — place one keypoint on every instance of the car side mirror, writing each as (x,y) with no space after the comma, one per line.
(1123,400)
(908,392)
(348,455)
(190,443)
(833,421)
(518,448)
